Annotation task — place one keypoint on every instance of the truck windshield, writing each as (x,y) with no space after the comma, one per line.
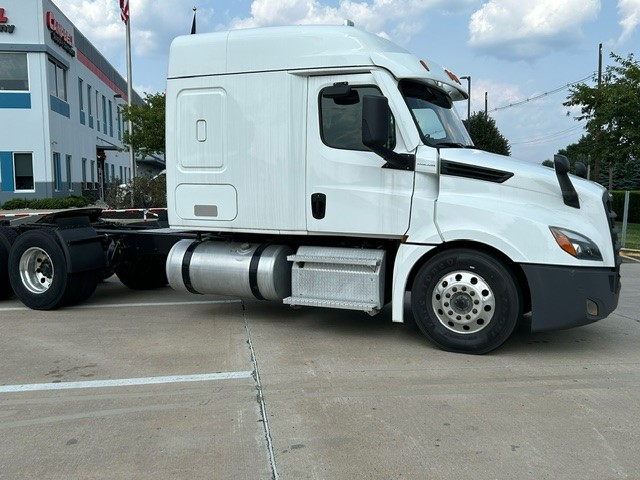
(438,122)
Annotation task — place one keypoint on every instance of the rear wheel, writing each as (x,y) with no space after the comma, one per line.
(38,273)
(7,237)
(466,301)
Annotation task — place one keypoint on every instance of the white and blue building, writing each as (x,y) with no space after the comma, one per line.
(61,125)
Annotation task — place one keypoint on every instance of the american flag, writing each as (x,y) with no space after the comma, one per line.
(124,10)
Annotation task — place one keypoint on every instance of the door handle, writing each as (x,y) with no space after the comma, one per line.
(318,205)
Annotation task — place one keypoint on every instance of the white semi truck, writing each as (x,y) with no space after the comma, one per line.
(326,166)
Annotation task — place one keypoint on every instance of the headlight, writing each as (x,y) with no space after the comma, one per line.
(575,244)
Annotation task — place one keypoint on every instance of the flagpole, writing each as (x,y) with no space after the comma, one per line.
(132,162)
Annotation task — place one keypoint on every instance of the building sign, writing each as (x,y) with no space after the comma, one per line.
(60,35)
(4,23)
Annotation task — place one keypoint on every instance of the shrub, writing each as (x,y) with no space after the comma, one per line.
(46,203)
(15,204)
(148,193)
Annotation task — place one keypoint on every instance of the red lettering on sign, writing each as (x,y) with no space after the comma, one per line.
(54,26)
(3,19)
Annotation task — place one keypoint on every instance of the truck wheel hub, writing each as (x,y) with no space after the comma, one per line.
(36,270)
(463,302)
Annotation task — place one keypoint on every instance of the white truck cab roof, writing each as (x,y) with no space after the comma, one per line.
(300,49)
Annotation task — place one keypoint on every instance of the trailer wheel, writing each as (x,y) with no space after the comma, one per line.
(466,301)
(7,237)
(38,273)
(143,273)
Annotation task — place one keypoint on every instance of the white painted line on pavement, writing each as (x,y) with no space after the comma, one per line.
(125,382)
(129,305)
(156,304)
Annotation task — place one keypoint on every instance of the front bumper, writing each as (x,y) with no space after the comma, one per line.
(560,295)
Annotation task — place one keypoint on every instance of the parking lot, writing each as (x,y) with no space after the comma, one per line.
(164,385)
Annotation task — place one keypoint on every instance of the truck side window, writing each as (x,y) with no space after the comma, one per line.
(341,120)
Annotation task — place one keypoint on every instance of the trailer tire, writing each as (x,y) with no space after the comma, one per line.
(39,276)
(466,301)
(81,286)
(143,273)
(7,237)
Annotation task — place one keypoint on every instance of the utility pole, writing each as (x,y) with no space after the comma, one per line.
(596,160)
(486,103)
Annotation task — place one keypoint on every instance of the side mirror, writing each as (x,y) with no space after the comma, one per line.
(581,169)
(376,118)
(375,121)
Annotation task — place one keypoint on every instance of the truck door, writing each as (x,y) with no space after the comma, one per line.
(348,190)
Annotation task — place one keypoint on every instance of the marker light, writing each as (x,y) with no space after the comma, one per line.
(575,244)
(452,76)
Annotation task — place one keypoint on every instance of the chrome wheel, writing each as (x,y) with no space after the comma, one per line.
(36,270)
(463,302)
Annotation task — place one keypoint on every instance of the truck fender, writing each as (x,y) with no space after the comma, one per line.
(82,247)
(406,258)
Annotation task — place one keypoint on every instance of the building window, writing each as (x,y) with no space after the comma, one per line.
(106,172)
(104,114)
(14,74)
(110,119)
(119,123)
(80,95)
(89,106)
(23,168)
(113,171)
(121,176)
(68,165)
(57,80)
(57,174)
(81,101)
(84,173)
(97,111)
(93,173)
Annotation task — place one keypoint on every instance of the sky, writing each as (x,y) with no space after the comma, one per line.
(524,54)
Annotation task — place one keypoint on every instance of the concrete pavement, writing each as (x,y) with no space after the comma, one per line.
(325,394)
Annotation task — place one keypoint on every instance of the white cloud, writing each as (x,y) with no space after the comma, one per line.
(629,11)
(514,29)
(372,16)
(154,23)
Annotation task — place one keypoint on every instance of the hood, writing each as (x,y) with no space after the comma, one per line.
(526,175)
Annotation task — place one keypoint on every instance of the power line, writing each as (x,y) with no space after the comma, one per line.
(551,136)
(592,76)
(545,94)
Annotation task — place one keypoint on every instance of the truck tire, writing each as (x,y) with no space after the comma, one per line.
(143,273)
(466,301)
(38,273)
(7,237)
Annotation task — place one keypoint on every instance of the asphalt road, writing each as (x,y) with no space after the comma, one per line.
(164,385)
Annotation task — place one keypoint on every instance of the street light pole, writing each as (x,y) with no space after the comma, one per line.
(468,79)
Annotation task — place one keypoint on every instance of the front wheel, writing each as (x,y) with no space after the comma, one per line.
(466,301)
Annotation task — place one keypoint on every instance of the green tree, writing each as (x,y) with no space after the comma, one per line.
(581,151)
(548,163)
(624,174)
(485,134)
(148,125)
(611,113)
